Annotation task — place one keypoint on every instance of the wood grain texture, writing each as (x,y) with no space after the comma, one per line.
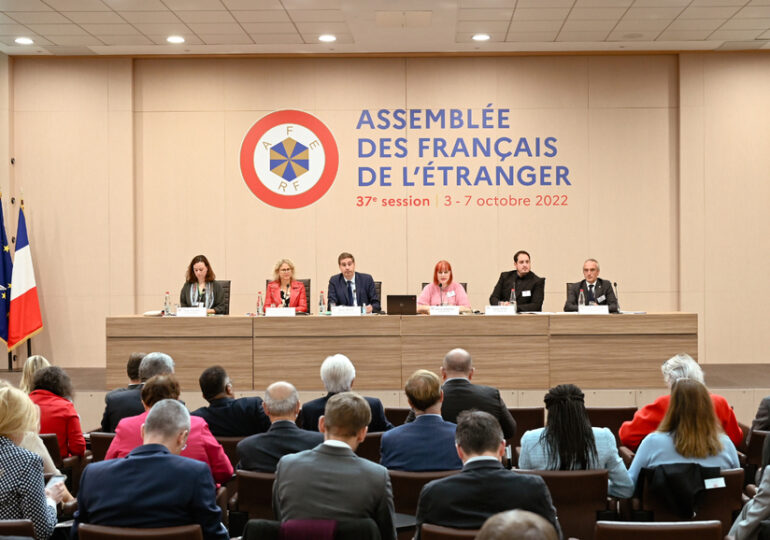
(215,326)
(648,323)
(477,325)
(372,325)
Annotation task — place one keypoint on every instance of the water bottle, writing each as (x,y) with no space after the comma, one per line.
(167,304)
(512,301)
(581,298)
(321,304)
(259,304)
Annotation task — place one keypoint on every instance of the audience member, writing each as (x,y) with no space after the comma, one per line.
(201,444)
(568,442)
(647,418)
(52,391)
(338,374)
(688,433)
(518,524)
(762,418)
(262,451)
(123,402)
(32,365)
(757,510)
(427,444)
(153,486)
(484,487)
(225,415)
(330,481)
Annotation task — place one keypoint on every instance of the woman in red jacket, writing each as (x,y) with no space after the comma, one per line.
(284,290)
(52,392)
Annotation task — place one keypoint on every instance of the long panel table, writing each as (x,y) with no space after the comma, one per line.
(521,352)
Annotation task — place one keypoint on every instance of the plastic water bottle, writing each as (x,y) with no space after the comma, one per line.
(512,301)
(581,298)
(260,306)
(167,304)
(322,304)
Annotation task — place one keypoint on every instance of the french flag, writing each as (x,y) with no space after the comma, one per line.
(25,319)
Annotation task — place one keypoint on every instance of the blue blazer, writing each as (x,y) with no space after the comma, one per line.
(313,410)
(427,444)
(365,291)
(151,487)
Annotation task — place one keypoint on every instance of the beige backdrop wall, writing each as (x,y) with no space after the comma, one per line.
(129,167)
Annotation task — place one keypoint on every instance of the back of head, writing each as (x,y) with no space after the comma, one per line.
(160,387)
(518,524)
(32,365)
(681,366)
(478,432)
(213,382)
(337,373)
(55,380)
(155,363)
(18,414)
(167,418)
(458,361)
(691,420)
(132,366)
(281,399)
(423,388)
(568,434)
(346,414)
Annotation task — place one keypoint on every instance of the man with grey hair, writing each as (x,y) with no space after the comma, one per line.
(155,363)
(338,374)
(646,419)
(596,291)
(153,486)
(262,451)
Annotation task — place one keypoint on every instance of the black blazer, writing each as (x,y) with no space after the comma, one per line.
(603,290)
(261,452)
(120,404)
(366,293)
(461,395)
(482,489)
(313,410)
(228,417)
(530,283)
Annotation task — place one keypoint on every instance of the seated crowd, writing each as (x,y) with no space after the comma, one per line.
(165,464)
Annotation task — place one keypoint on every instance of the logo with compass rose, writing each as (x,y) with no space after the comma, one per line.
(289,159)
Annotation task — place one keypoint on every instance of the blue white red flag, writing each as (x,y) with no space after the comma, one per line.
(24,320)
(6,270)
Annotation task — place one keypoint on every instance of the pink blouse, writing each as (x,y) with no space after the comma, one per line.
(453,295)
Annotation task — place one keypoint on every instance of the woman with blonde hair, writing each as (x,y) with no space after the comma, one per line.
(32,365)
(689,433)
(284,290)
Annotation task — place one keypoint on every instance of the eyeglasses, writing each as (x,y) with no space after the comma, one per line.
(285,270)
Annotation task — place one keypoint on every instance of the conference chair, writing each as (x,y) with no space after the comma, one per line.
(225,283)
(580,498)
(463,283)
(666,530)
(254,499)
(310,300)
(17,527)
(527,418)
(754,455)
(370,448)
(610,417)
(229,445)
(103,532)
(397,415)
(71,466)
(408,485)
(378,290)
(100,443)
(346,529)
(437,532)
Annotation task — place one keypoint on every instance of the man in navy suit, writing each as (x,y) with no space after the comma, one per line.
(153,486)
(351,288)
(428,443)
(338,374)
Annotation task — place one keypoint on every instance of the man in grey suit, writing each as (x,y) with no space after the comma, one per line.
(331,481)
(597,291)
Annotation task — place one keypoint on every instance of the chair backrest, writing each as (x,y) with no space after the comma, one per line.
(255,494)
(397,415)
(51,442)
(437,532)
(17,527)
(378,290)
(347,529)
(306,283)
(610,417)
(100,443)
(571,286)
(463,283)
(408,485)
(226,289)
(228,445)
(370,448)
(527,418)
(756,443)
(577,496)
(667,530)
(720,503)
(102,532)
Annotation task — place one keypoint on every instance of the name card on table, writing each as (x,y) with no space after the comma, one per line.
(346,311)
(444,310)
(280,312)
(500,310)
(594,310)
(191,312)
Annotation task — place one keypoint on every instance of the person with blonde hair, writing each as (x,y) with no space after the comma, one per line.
(284,290)
(22,495)
(519,524)
(689,433)
(32,365)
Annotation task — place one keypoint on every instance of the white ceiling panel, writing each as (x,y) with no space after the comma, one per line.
(163,28)
(189,39)
(591,14)
(263,16)
(653,13)
(223,39)
(269,28)
(194,5)
(484,14)
(602,3)
(23,5)
(93,17)
(503,3)
(540,14)
(531,36)
(467,37)
(741,45)
(14,28)
(482,26)
(312,4)
(44,17)
(75,40)
(136,5)
(152,17)
(739,3)
(110,29)
(616,35)
(581,36)
(311,37)
(323,28)
(746,24)
(39,41)
(696,24)
(765,35)
(246,5)
(125,40)
(215,28)
(753,12)
(206,16)
(735,35)
(589,26)
(684,35)
(709,12)
(535,26)
(284,39)
(317,15)
(57,30)
(643,25)
(78,5)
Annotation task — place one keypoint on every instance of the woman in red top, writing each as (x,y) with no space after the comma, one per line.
(284,290)
(52,392)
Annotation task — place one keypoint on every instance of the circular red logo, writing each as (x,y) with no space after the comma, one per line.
(289,159)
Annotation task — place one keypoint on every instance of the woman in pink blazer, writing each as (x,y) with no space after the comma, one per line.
(284,290)
(201,444)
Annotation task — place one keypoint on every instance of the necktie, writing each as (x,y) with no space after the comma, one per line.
(350,293)
(591,293)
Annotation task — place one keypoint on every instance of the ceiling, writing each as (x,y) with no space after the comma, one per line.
(140,27)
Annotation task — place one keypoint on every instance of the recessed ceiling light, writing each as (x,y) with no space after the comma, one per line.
(23,41)
(175,39)
(481,37)
(327,38)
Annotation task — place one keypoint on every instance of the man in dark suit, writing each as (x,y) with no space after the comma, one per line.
(225,415)
(351,288)
(331,481)
(338,374)
(261,452)
(125,402)
(483,488)
(530,289)
(597,291)
(153,486)
(428,443)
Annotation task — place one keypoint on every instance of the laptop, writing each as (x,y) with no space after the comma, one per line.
(402,304)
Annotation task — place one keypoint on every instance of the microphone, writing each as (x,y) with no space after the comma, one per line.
(617,297)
